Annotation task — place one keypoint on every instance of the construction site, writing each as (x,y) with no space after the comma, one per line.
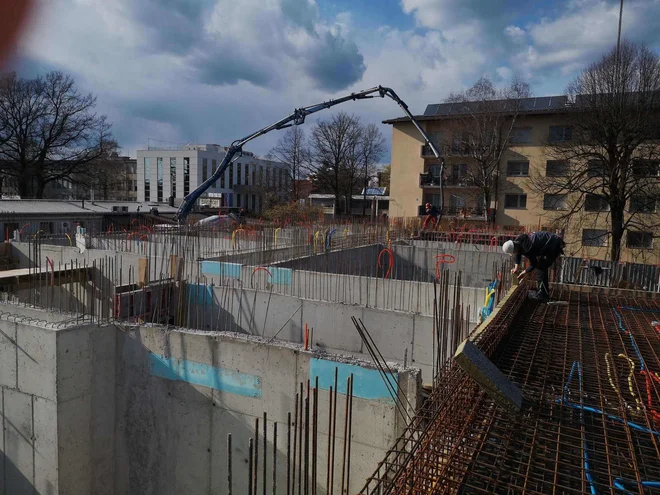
(320,359)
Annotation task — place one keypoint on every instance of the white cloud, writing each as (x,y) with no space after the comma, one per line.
(515,33)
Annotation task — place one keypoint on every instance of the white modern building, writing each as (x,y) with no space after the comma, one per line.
(175,172)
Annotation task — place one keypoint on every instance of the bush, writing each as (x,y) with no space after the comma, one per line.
(293,212)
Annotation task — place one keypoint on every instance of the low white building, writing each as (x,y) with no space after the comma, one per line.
(175,172)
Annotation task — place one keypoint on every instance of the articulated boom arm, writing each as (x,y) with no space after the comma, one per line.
(297,118)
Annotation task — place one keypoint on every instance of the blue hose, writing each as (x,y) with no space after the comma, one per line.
(619,484)
(642,365)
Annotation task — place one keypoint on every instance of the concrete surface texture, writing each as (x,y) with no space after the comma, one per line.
(400,336)
(143,409)
(172,428)
(57,389)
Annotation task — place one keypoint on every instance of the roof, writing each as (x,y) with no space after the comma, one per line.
(54,207)
(528,106)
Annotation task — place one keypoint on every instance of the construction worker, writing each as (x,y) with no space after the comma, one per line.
(541,249)
(431,215)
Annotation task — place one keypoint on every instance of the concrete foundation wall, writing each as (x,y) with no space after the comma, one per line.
(400,336)
(172,429)
(57,389)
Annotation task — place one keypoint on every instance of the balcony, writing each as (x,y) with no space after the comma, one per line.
(430,180)
(472,212)
(427,152)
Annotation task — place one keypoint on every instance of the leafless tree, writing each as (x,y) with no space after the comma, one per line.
(335,143)
(371,148)
(606,157)
(483,129)
(48,131)
(292,150)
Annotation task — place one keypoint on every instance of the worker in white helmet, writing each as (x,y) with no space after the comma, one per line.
(541,249)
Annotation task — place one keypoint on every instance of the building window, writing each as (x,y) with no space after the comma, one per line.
(642,204)
(238,200)
(222,179)
(595,168)
(594,237)
(247,174)
(517,169)
(521,135)
(254,176)
(159,177)
(560,133)
(518,201)
(556,168)
(594,202)
(173,177)
(205,170)
(147,178)
(281,178)
(555,201)
(238,177)
(214,167)
(261,175)
(46,227)
(186,176)
(230,200)
(639,240)
(267,176)
(254,201)
(231,175)
(645,168)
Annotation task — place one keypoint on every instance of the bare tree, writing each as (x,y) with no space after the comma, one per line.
(607,160)
(371,148)
(292,150)
(483,129)
(334,154)
(48,131)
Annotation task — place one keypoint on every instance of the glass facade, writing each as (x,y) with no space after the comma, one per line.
(186,176)
(205,169)
(173,177)
(214,167)
(238,176)
(159,177)
(231,175)
(147,178)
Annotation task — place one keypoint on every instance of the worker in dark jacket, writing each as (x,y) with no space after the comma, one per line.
(541,249)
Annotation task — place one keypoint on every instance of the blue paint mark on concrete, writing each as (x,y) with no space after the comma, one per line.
(222,268)
(367,384)
(281,276)
(225,380)
(200,294)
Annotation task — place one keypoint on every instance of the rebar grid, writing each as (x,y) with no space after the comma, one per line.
(590,422)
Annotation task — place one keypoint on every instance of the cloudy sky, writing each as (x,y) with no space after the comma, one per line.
(211,71)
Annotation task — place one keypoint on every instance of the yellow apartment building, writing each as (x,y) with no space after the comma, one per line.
(415,180)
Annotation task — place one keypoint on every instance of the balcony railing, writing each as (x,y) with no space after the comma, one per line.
(427,152)
(430,180)
(473,212)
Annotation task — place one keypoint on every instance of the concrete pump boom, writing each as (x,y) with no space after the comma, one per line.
(297,118)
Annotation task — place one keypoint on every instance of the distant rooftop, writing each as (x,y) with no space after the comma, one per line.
(543,104)
(67,207)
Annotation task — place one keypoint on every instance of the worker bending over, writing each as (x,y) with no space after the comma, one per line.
(541,249)
(431,215)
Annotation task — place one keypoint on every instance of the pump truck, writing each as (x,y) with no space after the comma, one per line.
(297,118)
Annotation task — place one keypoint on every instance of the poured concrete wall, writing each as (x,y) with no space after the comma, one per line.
(172,428)
(400,336)
(57,389)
